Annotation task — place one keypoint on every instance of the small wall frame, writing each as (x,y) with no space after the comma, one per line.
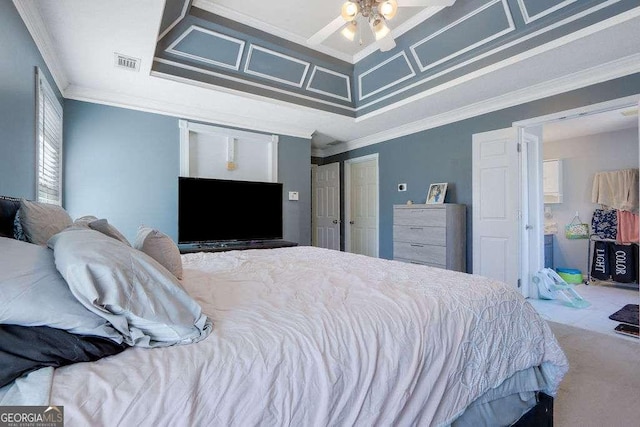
(436,193)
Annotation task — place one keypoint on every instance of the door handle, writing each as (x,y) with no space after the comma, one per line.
(351,222)
(335,221)
(528,227)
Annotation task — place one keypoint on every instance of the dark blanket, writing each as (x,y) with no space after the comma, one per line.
(24,349)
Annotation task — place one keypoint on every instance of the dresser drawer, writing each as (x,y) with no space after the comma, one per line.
(429,254)
(428,264)
(420,234)
(426,217)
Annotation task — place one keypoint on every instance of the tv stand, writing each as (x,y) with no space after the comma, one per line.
(234,246)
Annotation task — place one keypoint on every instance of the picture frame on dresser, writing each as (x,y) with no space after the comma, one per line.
(436,193)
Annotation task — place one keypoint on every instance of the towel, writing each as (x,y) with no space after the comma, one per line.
(628,229)
(616,189)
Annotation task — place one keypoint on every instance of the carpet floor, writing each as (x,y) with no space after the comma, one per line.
(602,387)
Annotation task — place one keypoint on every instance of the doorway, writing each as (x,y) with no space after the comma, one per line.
(576,146)
(361,205)
(325,206)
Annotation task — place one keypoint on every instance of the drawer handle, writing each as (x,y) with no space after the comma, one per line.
(417,246)
(416,228)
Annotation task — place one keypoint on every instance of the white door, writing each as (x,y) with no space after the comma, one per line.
(496,204)
(326,206)
(361,180)
(532,207)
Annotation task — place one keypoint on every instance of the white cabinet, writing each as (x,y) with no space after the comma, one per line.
(552,180)
(433,235)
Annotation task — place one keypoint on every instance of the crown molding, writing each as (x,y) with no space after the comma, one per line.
(598,74)
(32,19)
(182,111)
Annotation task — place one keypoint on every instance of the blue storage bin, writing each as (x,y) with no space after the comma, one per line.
(570,275)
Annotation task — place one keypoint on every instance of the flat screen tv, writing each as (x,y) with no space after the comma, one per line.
(218,210)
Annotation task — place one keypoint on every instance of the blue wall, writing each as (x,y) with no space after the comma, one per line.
(123,165)
(294,170)
(443,154)
(19,58)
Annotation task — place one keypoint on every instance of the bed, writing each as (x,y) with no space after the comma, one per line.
(315,337)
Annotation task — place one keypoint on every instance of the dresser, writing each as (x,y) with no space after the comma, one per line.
(433,235)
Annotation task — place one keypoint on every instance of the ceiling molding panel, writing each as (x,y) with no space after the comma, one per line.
(275,66)
(536,9)
(565,24)
(389,73)
(174,12)
(209,47)
(479,27)
(330,83)
(469,38)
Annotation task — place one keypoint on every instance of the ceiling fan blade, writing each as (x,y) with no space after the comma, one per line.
(386,43)
(425,3)
(326,31)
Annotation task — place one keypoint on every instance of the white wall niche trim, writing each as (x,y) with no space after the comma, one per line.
(187,129)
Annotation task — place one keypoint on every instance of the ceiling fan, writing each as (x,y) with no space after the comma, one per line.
(374,14)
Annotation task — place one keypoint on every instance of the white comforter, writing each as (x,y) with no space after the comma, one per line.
(311,337)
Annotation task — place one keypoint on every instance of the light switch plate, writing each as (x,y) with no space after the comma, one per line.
(293,195)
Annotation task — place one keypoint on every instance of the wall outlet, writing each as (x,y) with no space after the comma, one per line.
(402,187)
(293,195)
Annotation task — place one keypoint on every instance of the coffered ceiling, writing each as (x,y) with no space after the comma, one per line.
(449,64)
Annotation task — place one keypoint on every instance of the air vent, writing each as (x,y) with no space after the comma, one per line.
(629,113)
(127,62)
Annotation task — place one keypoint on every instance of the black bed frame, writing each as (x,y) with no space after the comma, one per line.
(540,415)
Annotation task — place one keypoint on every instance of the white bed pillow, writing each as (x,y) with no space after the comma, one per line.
(40,221)
(34,294)
(137,295)
(160,247)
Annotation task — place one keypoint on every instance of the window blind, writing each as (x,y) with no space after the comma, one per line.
(49,144)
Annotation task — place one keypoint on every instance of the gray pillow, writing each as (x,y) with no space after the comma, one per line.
(103,226)
(84,221)
(40,221)
(137,295)
(8,208)
(34,293)
(160,247)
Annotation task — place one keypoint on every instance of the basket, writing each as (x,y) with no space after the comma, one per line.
(570,275)
(576,229)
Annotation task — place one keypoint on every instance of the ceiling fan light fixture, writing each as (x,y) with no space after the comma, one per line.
(380,28)
(388,8)
(349,31)
(350,10)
